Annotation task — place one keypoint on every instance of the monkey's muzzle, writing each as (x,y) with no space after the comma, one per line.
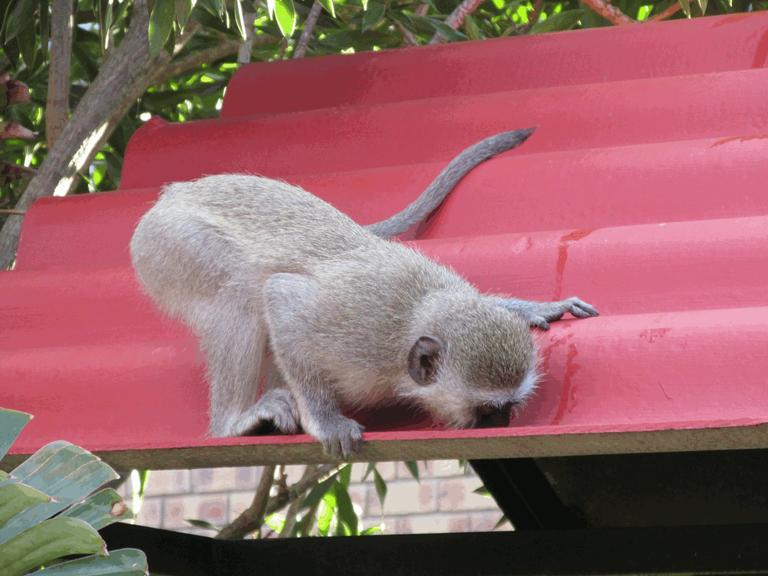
(493,417)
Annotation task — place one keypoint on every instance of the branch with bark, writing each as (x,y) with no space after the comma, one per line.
(124,77)
(262,506)
(306,33)
(456,18)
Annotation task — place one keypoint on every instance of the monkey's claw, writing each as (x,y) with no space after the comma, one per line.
(552,311)
(342,438)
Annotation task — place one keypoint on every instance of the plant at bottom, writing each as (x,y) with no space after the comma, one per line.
(49,510)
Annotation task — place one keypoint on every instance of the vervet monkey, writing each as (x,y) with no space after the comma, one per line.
(351,319)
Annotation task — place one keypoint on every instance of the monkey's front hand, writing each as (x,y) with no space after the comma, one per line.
(544,312)
(341,436)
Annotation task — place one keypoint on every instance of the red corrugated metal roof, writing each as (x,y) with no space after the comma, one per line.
(643,192)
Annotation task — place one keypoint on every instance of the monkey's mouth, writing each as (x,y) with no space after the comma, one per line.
(495,417)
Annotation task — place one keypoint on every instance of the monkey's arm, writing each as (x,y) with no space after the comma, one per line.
(539,314)
(290,300)
(434,195)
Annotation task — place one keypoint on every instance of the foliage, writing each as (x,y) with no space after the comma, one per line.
(343,26)
(325,509)
(49,510)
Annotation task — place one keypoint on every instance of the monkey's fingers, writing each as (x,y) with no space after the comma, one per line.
(344,439)
(581,309)
(539,322)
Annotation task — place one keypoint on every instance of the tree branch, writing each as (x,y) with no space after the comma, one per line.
(250,520)
(408,37)
(456,18)
(535,16)
(293,509)
(306,33)
(667,13)
(610,13)
(57,107)
(253,517)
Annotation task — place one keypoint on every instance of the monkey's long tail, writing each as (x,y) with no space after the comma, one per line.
(434,195)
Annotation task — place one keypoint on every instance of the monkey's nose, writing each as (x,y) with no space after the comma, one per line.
(491,417)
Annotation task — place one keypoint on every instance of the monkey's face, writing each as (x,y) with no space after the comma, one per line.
(478,368)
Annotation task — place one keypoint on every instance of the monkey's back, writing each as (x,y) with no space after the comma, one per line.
(235,230)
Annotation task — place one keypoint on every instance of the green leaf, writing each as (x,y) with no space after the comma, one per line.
(22,14)
(686,7)
(183,10)
(413,468)
(126,562)
(346,511)
(558,22)
(47,541)
(161,24)
(482,491)
(210,21)
(503,520)
(212,6)
(240,19)
(15,498)
(114,167)
(100,509)
(66,489)
(203,524)
(328,5)
(345,475)
(11,425)
(286,16)
(84,58)
(373,529)
(373,15)
(371,467)
(499,4)
(318,492)
(271,8)
(444,29)
(703,6)
(381,487)
(326,512)
(473,31)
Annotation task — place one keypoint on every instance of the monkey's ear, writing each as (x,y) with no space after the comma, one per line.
(424,359)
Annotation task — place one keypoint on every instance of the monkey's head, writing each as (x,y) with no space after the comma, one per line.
(475,365)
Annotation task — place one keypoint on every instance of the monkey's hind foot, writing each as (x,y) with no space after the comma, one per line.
(540,314)
(341,437)
(275,412)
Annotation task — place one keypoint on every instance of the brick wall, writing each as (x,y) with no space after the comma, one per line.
(442,501)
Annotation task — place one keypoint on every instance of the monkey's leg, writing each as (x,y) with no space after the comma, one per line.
(539,314)
(290,308)
(233,338)
(276,410)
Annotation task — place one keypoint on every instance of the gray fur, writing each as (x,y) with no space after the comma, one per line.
(446,181)
(251,263)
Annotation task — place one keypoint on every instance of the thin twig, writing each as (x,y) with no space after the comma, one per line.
(295,491)
(456,18)
(250,520)
(610,13)
(253,517)
(676,7)
(13,212)
(293,509)
(306,33)
(535,16)
(408,37)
